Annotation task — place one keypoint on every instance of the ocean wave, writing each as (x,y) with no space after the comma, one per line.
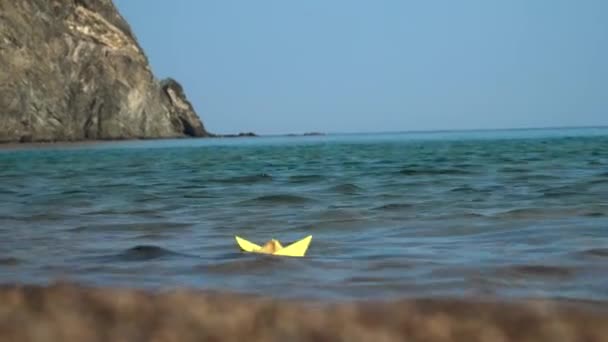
(279,199)
(247,264)
(129,227)
(250,179)
(415,171)
(513,169)
(395,206)
(9,261)
(143,253)
(303,179)
(346,189)
(595,252)
(536,271)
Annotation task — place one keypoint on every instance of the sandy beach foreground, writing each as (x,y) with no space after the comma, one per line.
(68,312)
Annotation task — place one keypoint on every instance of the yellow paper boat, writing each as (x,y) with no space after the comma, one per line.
(274,247)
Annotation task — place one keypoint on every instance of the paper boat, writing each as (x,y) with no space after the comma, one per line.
(274,247)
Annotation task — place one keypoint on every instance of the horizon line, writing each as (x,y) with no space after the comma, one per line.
(537,128)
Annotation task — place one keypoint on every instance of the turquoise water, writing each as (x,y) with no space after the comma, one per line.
(495,213)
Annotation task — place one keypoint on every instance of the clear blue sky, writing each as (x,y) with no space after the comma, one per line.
(282,66)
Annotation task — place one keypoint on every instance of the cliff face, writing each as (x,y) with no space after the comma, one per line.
(73,70)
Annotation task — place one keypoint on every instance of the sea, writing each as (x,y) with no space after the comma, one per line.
(508,213)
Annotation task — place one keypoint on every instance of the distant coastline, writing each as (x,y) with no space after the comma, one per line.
(307,134)
(13,144)
(239,135)
(59,143)
(464,130)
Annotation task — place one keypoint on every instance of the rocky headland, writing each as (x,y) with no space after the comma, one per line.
(72,70)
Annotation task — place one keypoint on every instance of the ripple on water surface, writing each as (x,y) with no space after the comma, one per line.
(513,214)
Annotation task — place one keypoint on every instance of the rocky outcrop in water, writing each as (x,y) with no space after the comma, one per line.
(73,70)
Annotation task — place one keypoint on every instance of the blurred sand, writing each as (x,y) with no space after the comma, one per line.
(65,312)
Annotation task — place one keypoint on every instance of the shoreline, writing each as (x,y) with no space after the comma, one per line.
(15,145)
(70,312)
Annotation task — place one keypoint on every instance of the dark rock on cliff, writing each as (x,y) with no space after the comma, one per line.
(240,135)
(73,70)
